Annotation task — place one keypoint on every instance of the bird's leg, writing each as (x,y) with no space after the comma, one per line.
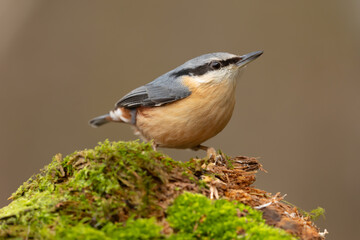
(210,152)
(154,145)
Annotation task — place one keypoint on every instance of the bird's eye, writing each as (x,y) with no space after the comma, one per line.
(215,65)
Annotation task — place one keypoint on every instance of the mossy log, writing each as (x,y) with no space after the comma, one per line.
(125,190)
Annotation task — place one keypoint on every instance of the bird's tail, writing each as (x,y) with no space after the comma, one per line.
(98,121)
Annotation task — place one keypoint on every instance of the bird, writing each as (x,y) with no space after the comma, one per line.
(185,106)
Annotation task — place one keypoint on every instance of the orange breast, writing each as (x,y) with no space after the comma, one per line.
(189,122)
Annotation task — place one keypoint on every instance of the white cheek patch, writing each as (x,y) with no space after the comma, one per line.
(201,79)
(216,76)
(117,115)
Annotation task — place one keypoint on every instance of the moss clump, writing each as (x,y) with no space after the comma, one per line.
(194,216)
(123,190)
(133,229)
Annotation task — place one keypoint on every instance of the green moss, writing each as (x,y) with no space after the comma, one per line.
(312,214)
(197,217)
(315,213)
(120,190)
(98,185)
(133,229)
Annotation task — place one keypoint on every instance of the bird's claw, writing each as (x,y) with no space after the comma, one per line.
(218,158)
(211,153)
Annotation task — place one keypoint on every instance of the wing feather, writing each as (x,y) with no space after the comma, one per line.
(156,93)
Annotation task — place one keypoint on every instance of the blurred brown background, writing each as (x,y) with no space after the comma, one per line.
(298,105)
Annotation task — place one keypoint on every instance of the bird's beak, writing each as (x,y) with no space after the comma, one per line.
(247,58)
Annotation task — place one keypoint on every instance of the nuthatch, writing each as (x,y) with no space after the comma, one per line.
(186,106)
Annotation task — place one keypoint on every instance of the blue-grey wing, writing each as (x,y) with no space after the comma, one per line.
(156,93)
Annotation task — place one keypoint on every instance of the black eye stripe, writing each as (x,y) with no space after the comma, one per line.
(229,61)
(201,70)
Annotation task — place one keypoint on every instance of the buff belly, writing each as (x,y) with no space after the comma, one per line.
(190,121)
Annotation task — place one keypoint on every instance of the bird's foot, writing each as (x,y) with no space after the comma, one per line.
(211,154)
(154,145)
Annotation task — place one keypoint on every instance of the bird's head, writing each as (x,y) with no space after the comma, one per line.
(214,67)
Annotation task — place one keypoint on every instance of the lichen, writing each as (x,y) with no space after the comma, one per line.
(125,190)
